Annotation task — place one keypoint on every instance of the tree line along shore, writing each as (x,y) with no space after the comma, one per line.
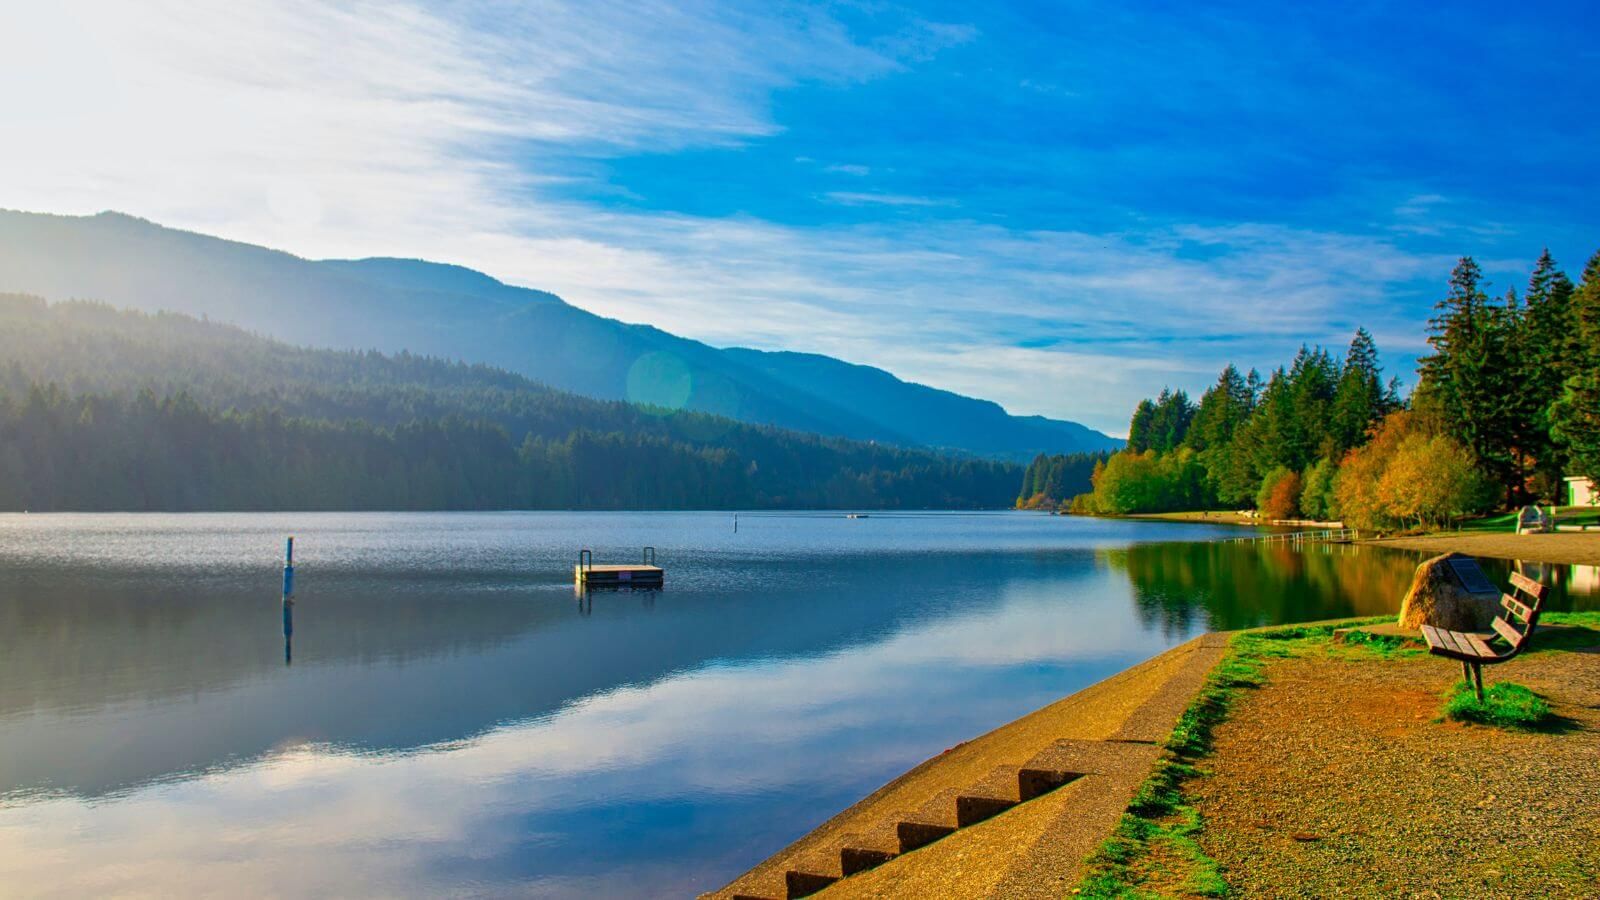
(1507,407)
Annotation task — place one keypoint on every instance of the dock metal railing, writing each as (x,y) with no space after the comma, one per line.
(1325,536)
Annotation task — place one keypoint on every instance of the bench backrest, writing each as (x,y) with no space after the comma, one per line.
(1516,624)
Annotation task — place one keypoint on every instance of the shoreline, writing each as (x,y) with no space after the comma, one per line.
(1581,548)
(1132,711)
(1557,548)
(1204,517)
(1077,837)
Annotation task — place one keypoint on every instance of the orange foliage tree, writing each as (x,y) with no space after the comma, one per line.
(1409,475)
(1281,497)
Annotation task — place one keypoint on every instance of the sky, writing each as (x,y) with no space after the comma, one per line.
(1062,207)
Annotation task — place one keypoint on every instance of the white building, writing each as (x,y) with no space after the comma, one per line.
(1580,491)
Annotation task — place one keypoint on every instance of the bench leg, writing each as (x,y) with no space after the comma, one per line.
(1477,676)
(1466,671)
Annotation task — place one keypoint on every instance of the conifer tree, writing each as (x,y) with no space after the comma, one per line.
(1360,399)
(1468,382)
(1575,417)
(1139,428)
(1312,380)
(1544,350)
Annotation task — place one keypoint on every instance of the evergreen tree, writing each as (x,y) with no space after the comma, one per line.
(1224,409)
(1469,381)
(1312,381)
(1139,428)
(1360,399)
(1275,434)
(1575,417)
(1169,423)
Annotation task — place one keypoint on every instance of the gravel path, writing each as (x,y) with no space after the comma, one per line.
(1333,780)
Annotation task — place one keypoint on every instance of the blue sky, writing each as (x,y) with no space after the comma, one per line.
(1062,207)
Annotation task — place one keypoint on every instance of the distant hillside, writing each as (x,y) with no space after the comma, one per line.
(120,410)
(938,418)
(428,308)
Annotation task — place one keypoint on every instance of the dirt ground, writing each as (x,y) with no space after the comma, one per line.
(1336,779)
(1577,548)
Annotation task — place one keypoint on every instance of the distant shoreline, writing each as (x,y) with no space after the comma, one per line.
(1209,517)
(1561,548)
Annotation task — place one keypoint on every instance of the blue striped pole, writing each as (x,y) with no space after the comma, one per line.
(288,601)
(288,571)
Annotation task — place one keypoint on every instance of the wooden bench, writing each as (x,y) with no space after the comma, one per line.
(1512,628)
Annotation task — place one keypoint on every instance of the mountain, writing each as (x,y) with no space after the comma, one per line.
(105,409)
(454,312)
(938,418)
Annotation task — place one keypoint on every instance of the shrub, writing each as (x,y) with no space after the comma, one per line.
(1317,500)
(1280,494)
(1130,482)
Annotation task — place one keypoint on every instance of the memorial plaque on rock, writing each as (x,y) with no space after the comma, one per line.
(1470,575)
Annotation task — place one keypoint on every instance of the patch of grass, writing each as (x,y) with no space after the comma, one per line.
(1387,646)
(1507,522)
(1585,619)
(1505,705)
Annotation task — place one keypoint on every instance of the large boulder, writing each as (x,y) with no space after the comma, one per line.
(1438,598)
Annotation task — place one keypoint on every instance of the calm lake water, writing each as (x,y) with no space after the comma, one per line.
(455,721)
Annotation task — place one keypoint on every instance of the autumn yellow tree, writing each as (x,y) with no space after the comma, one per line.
(1356,487)
(1409,474)
(1432,481)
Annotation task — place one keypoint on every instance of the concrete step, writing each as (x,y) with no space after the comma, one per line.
(931,821)
(869,849)
(994,794)
(1051,768)
(812,871)
(1078,757)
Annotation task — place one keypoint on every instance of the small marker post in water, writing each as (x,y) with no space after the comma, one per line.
(288,602)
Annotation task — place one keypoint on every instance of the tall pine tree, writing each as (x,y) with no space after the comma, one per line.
(1360,400)
(1468,380)
(1575,417)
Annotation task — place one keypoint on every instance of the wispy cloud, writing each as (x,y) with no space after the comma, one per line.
(867,198)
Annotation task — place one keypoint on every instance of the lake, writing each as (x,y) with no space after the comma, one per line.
(452,718)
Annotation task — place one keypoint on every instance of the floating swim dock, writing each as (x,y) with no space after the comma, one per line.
(644,575)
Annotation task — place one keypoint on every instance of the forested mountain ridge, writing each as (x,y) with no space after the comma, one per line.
(109,409)
(939,418)
(398,305)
